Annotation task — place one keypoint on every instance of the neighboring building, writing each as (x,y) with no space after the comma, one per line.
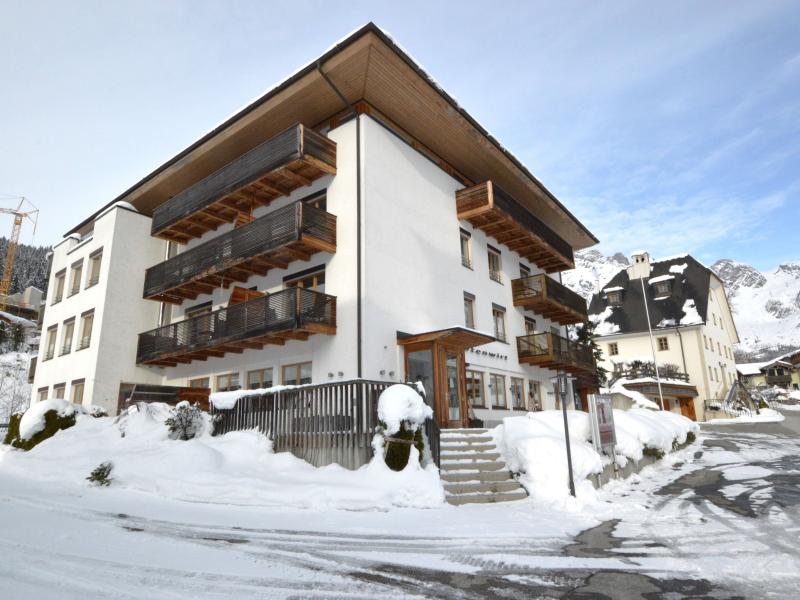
(691,321)
(778,372)
(26,304)
(354,222)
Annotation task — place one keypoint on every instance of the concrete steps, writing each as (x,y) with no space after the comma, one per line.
(473,471)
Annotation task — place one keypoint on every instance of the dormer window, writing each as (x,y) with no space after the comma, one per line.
(614,298)
(662,288)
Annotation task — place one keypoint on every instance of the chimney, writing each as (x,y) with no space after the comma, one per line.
(640,265)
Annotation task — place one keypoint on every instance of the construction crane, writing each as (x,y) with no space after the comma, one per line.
(13,242)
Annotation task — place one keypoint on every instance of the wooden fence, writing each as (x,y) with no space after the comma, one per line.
(322,424)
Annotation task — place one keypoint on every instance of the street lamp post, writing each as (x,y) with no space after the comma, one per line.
(563,379)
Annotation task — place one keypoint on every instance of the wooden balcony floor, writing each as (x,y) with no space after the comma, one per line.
(219,350)
(262,192)
(242,269)
(557,364)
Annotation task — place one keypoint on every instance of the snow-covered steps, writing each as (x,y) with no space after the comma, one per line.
(473,471)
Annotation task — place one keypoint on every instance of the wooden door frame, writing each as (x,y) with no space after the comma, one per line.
(439,352)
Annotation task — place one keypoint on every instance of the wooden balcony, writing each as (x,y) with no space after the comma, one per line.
(498,215)
(552,351)
(549,298)
(292,159)
(290,314)
(783,381)
(294,232)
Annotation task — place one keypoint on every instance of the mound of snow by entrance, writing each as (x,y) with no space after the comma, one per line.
(533,446)
(32,421)
(238,468)
(399,403)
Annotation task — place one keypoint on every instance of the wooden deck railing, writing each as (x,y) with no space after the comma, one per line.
(549,298)
(288,160)
(278,237)
(553,351)
(323,424)
(293,313)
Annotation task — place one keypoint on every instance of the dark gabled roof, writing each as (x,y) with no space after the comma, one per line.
(686,305)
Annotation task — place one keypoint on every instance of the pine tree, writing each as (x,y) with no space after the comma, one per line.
(3,335)
(587,337)
(17,336)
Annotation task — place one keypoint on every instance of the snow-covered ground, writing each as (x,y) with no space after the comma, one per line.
(15,391)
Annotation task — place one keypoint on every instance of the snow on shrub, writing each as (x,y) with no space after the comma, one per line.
(100,475)
(187,421)
(39,422)
(402,413)
(238,468)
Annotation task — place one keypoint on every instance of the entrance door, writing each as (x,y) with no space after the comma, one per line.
(687,408)
(419,367)
(453,388)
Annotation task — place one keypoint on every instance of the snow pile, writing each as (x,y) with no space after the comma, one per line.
(534,446)
(238,468)
(678,269)
(765,415)
(638,398)
(227,400)
(401,403)
(32,421)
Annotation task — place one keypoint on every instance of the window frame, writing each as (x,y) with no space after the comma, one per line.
(82,333)
(46,390)
(495,274)
(494,378)
(469,375)
(663,343)
(613,348)
(261,379)
(206,380)
(469,310)
(50,352)
(59,387)
(60,280)
(229,387)
(502,336)
(95,257)
(517,403)
(63,349)
(530,325)
(662,288)
(316,275)
(77,382)
(465,240)
(298,372)
(75,277)
(614,298)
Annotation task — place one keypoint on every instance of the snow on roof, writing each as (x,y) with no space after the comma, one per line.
(226,400)
(616,288)
(603,325)
(638,398)
(691,316)
(750,368)
(673,257)
(660,278)
(678,268)
(15,319)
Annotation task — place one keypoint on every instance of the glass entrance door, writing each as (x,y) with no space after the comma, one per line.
(453,388)
(420,368)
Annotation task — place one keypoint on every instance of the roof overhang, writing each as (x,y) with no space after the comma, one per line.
(367,65)
(454,336)
(672,389)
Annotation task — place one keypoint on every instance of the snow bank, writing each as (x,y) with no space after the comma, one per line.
(32,421)
(226,400)
(766,415)
(638,398)
(238,468)
(399,403)
(534,446)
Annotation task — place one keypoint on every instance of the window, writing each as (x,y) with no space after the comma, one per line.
(613,349)
(198,310)
(76,395)
(66,336)
(58,390)
(259,379)
(495,269)
(229,382)
(59,293)
(713,316)
(499,318)
(518,393)
(705,342)
(95,258)
(466,249)
(200,382)
(716,374)
(663,343)
(298,374)
(87,320)
(662,288)
(312,279)
(719,348)
(497,390)
(524,271)
(530,325)
(41,393)
(614,298)
(475,389)
(76,274)
(469,310)
(534,395)
(50,348)
(710,373)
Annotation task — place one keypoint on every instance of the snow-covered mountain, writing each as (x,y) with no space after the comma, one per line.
(766,306)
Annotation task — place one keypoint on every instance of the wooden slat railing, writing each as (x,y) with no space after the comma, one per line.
(542,286)
(551,348)
(322,424)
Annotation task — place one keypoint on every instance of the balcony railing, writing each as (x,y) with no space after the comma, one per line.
(287,161)
(647,370)
(293,313)
(779,380)
(554,352)
(490,209)
(296,231)
(549,298)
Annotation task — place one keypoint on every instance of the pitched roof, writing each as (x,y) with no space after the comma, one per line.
(686,305)
(368,65)
(758,367)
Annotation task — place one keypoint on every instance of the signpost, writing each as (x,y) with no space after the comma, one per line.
(601,417)
(563,379)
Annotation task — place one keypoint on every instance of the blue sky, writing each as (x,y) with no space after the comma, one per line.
(668,126)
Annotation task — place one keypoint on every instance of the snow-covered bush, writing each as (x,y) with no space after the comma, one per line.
(187,422)
(100,474)
(40,422)
(401,413)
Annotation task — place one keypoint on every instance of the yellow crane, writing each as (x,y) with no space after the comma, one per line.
(13,242)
